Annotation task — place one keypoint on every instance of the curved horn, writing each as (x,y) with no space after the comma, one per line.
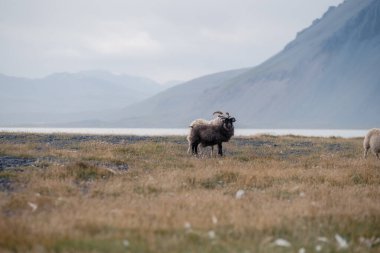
(218,112)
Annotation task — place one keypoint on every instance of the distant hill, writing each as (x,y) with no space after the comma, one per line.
(327,77)
(171,83)
(66,97)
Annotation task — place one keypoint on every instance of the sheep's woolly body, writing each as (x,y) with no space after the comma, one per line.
(197,122)
(216,121)
(210,133)
(372,142)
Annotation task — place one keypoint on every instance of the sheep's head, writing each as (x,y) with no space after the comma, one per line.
(227,120)
(228,123)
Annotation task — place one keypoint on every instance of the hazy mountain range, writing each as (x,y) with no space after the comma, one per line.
(68,97)
(327,77)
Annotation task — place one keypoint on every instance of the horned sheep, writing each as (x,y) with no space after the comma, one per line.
(372,141)
(214,121)
(210,133)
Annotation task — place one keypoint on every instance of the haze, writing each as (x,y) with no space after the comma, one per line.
(163,40)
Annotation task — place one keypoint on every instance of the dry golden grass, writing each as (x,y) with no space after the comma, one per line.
(77,199)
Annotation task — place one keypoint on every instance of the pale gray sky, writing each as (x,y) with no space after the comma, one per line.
(160,39)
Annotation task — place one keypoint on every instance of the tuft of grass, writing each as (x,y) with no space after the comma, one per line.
(89,245)
(83,171)
(220,179)
(147,190)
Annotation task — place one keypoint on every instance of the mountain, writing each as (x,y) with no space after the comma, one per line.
(66,97)
(327,77)
(171,83)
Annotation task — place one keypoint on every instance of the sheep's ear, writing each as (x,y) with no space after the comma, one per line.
(233,119)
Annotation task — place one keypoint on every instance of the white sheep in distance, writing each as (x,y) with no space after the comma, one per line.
(210,133)
(214,121)
(372,141)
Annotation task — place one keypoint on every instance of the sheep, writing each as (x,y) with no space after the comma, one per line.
(210,133)
(372,141)
(214,121)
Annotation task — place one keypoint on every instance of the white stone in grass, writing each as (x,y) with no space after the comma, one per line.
(111,170)
(342,243)
(33,206)
(187,225)
(302,250)
(282,243)
(211,234)
(323,239)
(214,220)
(318,248)
(126,243)
(239,194)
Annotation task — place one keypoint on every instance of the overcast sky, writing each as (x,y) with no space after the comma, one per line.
(160,39)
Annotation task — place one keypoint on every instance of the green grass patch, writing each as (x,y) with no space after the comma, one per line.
(83,171)
(221,179)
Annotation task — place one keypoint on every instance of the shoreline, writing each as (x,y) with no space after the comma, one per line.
(338,133)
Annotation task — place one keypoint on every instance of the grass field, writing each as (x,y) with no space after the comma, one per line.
(71,193)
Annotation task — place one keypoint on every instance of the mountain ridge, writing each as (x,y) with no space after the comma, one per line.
(317,81)
(63,97)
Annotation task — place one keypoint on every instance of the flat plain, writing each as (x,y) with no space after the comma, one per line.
(92,193)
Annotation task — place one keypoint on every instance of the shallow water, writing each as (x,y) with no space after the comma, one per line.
(345,133)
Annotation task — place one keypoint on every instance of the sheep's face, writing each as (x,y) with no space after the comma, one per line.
(228,123)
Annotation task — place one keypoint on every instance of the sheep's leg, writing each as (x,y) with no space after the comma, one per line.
(212,151)
(366,153)
(195,148)
(220,152)
(377,155)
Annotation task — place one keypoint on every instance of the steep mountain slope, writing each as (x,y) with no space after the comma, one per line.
(328,77)
(67,97)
